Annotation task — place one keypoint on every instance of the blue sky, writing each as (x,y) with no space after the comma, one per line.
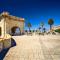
(34,11)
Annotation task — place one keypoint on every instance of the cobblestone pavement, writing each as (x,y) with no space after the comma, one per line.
(35,48)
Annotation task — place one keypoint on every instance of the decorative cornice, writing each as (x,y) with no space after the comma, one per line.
(7,15)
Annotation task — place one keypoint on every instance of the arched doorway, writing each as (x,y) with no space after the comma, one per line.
(15,31)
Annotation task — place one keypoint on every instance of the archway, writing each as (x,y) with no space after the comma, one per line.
(15,31)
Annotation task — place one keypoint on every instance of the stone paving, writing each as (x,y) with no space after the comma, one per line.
(35,48)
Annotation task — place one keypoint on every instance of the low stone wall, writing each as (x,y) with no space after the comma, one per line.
(6,43)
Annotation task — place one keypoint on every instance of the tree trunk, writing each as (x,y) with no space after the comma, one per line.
(29,29)
(42,29)
(50,27)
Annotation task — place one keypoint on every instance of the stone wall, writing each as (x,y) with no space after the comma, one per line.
(10,23)
(4,44)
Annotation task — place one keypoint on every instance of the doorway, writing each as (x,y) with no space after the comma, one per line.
(15,31)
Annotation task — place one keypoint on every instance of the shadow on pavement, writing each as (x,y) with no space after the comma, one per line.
(5,51)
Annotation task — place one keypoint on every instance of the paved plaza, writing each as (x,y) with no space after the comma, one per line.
(45,47)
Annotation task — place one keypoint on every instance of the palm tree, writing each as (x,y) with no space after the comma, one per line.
(29,25)
(42,24)
(50,22)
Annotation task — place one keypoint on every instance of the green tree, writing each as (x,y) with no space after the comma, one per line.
(50,22)
(57,30)
(29,26)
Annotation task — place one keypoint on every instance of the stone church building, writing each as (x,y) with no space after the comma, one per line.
(11,24)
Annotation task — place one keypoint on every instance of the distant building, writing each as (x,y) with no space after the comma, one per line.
(56,27)
(10,24)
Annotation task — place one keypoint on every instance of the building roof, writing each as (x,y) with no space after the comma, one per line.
(6,14)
